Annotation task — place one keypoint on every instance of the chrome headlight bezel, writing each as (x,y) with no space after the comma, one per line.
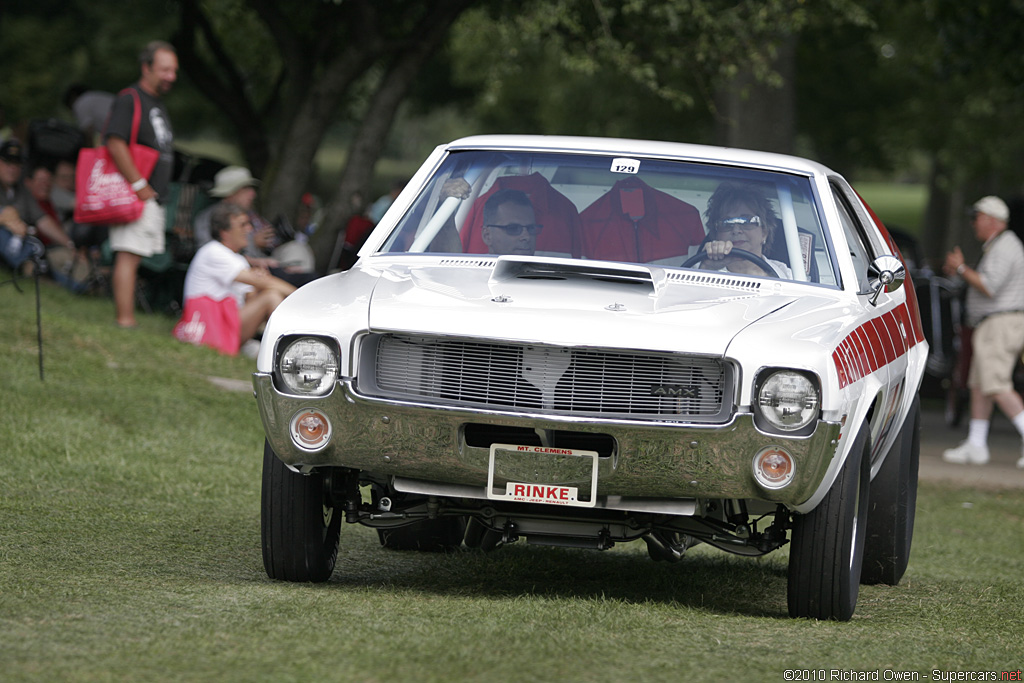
(786,401)
(306,365)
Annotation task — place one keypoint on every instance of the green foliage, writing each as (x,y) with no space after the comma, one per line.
(47,46)
(637,68)
(960,72)
(130,550)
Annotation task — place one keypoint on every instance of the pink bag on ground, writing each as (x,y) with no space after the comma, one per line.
(210,323)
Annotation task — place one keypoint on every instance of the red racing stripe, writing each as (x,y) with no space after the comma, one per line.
(875,343)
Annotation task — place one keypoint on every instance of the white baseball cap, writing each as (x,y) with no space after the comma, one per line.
(992,206)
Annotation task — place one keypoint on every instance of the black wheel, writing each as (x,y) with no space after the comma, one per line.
(827,548)
(440,535)
(761,263)
(893,504)
(300,529)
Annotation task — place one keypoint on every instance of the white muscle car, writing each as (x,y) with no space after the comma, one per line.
(581,342)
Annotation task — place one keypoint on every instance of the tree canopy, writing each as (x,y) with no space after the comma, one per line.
(854,83)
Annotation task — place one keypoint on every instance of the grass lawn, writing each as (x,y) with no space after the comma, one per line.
(898,205)
(130,551)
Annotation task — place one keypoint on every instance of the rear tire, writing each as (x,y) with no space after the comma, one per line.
(827,549)
(893,505)
(299,528)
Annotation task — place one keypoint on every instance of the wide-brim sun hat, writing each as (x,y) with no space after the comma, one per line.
(230,180)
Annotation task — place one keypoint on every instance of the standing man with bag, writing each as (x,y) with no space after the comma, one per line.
(131,242)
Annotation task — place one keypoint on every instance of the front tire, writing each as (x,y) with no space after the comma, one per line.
(299,527)
(827,549)
(893,504)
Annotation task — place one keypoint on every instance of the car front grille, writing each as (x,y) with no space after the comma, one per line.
(548,379)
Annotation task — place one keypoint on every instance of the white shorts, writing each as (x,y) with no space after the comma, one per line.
(145,236)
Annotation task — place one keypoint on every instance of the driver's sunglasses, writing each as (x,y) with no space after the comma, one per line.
(748,222)
(516,229)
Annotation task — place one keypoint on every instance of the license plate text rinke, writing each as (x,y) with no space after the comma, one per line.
(539,492)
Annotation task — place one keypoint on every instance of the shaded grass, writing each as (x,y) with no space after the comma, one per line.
(130,550)
(899,205)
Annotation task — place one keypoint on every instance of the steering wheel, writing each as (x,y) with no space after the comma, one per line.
(742,253)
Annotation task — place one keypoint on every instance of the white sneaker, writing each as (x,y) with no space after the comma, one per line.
(1020,463)
(967,454)
(250,349)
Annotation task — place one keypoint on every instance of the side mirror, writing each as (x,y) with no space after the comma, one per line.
(885,273)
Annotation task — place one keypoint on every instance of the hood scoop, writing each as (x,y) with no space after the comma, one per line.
(507,269)
(510,268)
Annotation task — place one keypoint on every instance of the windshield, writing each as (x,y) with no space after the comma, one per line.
(633,210)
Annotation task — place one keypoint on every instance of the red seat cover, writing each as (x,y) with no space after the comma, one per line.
(551,209)
(667,227)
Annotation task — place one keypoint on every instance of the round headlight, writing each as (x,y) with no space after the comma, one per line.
(788,400)
(308,366)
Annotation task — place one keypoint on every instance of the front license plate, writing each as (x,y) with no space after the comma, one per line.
(539,474)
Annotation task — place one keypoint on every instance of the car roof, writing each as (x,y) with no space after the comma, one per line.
(647,148)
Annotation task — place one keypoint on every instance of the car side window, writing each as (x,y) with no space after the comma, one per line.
(859,251)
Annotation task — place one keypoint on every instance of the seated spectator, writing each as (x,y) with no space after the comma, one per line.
(306,217)
(67,266)
(62,195)
(21,217)
(235,185)
(357,228)
(39,181)
(384,202)
(226,299)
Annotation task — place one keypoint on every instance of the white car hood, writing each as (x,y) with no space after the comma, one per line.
(573,303)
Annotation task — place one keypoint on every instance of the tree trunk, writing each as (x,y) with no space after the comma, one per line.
(221,83)
(761,116)
(305,132)
(937,238)
(371,135)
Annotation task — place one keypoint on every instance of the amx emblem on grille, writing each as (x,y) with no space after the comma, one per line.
(675,391)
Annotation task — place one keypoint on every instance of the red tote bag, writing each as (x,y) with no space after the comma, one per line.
(206,322)
(102,195)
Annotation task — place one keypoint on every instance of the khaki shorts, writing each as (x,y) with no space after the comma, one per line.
(145,236)
(997,343)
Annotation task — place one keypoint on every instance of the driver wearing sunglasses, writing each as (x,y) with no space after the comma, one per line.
(509,224)
(741,218)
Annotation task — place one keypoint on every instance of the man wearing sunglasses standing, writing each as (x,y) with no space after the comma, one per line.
(509,224)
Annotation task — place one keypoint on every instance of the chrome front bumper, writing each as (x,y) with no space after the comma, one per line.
(656,459)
